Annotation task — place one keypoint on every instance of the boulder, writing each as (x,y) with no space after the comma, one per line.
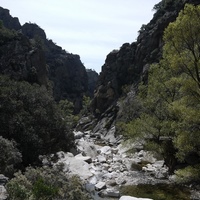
(3,179)
(101,159)
(87,148)
(3,193)
(72,165)
(87,159)
(112,193)
(78,134)
(100,185)
(132,198)
(105,150)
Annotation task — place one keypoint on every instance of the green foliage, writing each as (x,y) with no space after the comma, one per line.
(170,116)
(6,34)
(42,190)
(67,109)
(9,156)
(29,115)
(188,174)
(166,4)
(45,183)
(1,24)
(157,192)
(85,105)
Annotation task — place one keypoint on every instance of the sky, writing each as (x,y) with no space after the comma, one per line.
(89,28)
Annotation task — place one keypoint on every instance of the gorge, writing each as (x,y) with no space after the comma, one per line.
(136,123)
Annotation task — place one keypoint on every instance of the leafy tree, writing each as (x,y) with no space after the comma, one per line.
(10,156)
(45,183)
(170,116)
(182,50)
(29,115)
(67,109)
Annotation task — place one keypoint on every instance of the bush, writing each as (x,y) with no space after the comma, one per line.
(45,183)
(10,156)
(30,116)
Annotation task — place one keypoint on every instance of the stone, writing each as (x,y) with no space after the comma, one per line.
(114,150)
(3,193)
(3,179)
(100,185)
(120,180)
(93,180)
(101,159)
(105,150)
(87,148)
(72,165)
(106,166)
(132,198)
(147,157)
(87,159)
(78,134)
(111,183)
(112,193)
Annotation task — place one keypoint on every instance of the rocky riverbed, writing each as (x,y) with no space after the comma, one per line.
(105,167)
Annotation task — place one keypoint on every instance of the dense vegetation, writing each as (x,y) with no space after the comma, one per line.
(30,117)
(32,124)
(157,191)
(45,183)
(169,116)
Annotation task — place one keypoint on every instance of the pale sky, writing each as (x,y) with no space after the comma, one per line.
(90,28)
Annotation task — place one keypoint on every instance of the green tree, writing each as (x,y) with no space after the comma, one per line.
(45,183)
(30,116)
(182,51)
(170,117)
(10,156)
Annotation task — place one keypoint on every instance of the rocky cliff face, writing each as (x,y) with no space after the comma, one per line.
(65,70)
(20,59)
(31,56)
(92,80)
(129,64)
(9,21)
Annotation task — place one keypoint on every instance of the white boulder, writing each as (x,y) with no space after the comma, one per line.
(74,165)
(132,198)
(100,185)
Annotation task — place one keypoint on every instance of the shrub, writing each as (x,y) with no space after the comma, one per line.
(9,156)
(30,116)
(45,183)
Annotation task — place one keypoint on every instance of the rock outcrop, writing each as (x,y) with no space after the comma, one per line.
(20,59)
(92,80)
(9,21)
(129,64)
(29,55)
(65,70)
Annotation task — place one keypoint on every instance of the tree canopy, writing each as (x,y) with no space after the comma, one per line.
(30,116)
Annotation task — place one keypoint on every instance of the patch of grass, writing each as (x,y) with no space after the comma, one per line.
(157,192)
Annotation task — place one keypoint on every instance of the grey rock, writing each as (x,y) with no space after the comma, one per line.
(101,159)
(78,134)
(3,193)
(100,185)
(3,179)
(132,198)
(87,159)
(112,193)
